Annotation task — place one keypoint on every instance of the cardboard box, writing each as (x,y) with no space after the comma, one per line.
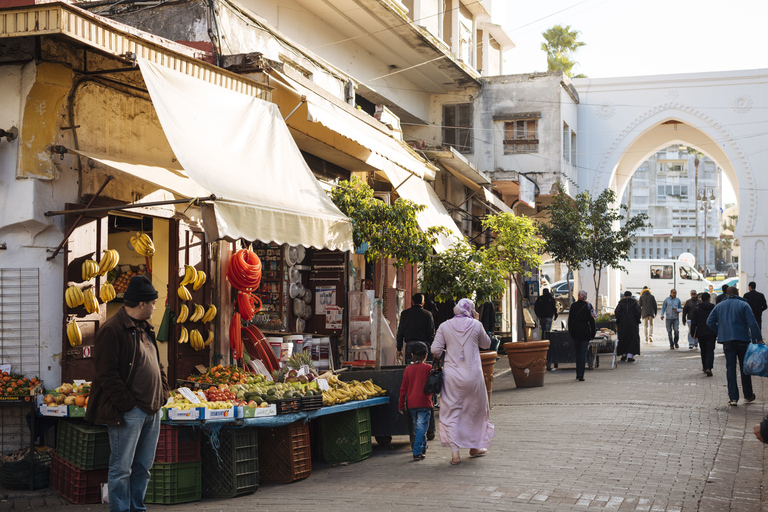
(217,414)
(186,414)
(258,412)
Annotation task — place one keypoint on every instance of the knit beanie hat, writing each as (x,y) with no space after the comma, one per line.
(140,289)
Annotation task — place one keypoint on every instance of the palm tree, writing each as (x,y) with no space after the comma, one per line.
(560,44)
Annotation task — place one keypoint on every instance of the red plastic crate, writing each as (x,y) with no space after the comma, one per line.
(284,453)
(177,444)
(77,485)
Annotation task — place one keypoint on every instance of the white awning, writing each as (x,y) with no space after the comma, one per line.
(495,201)
(239,148)
(413,188)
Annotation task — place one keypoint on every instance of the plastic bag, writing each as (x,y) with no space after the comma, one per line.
(756,360)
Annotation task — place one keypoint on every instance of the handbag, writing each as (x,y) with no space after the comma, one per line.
(434,382)
(756,360)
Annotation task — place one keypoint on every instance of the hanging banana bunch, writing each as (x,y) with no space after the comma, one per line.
(74,297)
(108,261)
(90,270)
(107,293)
(142,244)
(74,335)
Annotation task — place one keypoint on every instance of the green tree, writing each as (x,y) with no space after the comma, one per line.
(560,44)
(389,231)
(516,244)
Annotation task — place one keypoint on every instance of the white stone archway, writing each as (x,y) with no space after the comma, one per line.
(622,121)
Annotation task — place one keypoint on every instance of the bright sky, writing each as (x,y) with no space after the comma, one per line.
(641,37)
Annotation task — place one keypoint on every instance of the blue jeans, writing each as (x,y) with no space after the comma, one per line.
(133,451)
(673,324)
(581,357)
(692,342)
(734,350)
(420,418)
(546,325)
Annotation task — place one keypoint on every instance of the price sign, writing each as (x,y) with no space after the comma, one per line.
(189,395)
(323,385)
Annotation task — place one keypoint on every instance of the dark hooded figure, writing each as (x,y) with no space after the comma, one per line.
(628,320)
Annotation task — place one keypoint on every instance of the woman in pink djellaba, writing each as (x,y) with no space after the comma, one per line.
(464,408)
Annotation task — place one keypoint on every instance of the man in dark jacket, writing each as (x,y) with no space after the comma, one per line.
(581,327)
(723,295)
(129,389)
(706,337)
(628,320)
(545,308)
(688,307)
(648,310)
(756,301)
(416,324)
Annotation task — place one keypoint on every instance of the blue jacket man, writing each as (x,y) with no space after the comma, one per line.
(736,326)
(672,308)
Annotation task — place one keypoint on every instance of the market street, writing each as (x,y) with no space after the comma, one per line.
(656,435)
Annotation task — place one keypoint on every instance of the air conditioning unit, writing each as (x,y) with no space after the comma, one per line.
(383,196)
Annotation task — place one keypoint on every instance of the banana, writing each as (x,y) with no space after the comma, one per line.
(197,314)
(74,297)
(200,279)
(74,335)
(200,314)
(148,243)
(142,244)
(193,313)
(184,293)
(90,302)
(209,339)
(108,261)
(196,339)
(90,269)
(183,314)
(184,337)
(210,314)
(107,292)
(189,275)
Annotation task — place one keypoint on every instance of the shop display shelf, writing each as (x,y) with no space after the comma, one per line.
(174,483)
(84,445)
(284,454)
(75,484)
(15,475)
(177,444)
(311,403)
(288,405)
(346,436)
(232,469)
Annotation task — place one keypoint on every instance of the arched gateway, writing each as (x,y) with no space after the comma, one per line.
(622,121)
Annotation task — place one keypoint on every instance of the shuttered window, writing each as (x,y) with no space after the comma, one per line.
(457,127)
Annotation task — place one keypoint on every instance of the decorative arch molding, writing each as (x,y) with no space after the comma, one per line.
(747,208)
(759,271)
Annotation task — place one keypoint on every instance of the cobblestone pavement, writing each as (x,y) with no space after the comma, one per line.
(654,435)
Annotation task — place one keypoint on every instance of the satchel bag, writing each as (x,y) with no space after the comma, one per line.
(434,382)
(756,360)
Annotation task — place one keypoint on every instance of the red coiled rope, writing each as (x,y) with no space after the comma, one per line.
(247,305)
(244,270)
(235,337)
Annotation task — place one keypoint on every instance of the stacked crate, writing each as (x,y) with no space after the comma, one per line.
(80,463)
(176,472)
(346,436)
(231,468)
(284,453)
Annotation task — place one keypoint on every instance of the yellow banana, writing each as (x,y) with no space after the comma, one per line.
(74,297)
(196,339)
(199,312)
(150,247)
(107,292)
(200,279)
(108,261)
(184,337)
(183,314)
(189,275)
(209,340)
(74,335)
(89,270)
(90,302)
(210,314)
(184,293)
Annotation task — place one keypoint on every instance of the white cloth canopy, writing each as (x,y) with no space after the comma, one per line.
(239,148)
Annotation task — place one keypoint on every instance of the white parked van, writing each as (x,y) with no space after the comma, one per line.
(661,276)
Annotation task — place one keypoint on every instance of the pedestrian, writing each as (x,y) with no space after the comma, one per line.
(581,326)
(672,303)
(415,401)
(464,411)
(735,325)
(628,319)
(416,324)
(703,334)
(723,294)
(129,389)
(488,319)
(756,301)
(690,304)
(712,295)
(545,308)
(648,310)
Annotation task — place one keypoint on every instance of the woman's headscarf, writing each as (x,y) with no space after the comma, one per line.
(465,307)
(582,295)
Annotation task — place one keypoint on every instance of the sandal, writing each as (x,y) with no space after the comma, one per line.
(478,453)
(455,462)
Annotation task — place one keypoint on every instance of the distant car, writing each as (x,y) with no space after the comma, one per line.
(559,291)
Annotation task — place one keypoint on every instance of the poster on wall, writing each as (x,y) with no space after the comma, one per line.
(324,296)
(333,317)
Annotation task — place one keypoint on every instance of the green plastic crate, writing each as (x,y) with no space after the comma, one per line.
(174,483)
(346,436)
(235,471)
(15,475)
(84,445)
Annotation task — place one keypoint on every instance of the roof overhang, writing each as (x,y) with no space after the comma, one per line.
(464,170)
(499,34)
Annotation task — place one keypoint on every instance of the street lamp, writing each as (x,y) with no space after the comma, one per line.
(705,198)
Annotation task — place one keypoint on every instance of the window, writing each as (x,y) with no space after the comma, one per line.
(566,142)
(677,191)
(661,271)
(573,147)
(457,127)
(521,136)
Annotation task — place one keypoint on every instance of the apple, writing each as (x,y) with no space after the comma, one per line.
(252,404)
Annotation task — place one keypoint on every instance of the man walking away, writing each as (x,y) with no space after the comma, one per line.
(756,301)
(648,311)
(735,325)
(672,307)
(416,324)
(690,304)
(545,308)
(723,295)
(703,334)
(628,320)
(129,389)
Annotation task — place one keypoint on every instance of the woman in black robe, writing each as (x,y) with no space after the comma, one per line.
(628,321)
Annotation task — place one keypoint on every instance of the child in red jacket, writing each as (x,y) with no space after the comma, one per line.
(419,403)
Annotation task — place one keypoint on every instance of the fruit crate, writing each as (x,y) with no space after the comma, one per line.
(84,445)
(284,454)
(311,403)
(232,469)
(346,436)
(174,483)
(288,405)
(75,484)
(15,475)
(177,444)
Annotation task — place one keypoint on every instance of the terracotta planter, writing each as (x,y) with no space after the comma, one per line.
(528,361)
(488,360)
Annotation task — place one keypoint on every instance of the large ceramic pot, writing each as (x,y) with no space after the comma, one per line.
(528,361)
(488,360)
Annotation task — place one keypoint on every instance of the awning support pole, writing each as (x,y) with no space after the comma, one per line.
(74,224)
(195,200)
(303,100)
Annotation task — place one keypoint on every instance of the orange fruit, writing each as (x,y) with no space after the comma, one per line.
(80,401)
